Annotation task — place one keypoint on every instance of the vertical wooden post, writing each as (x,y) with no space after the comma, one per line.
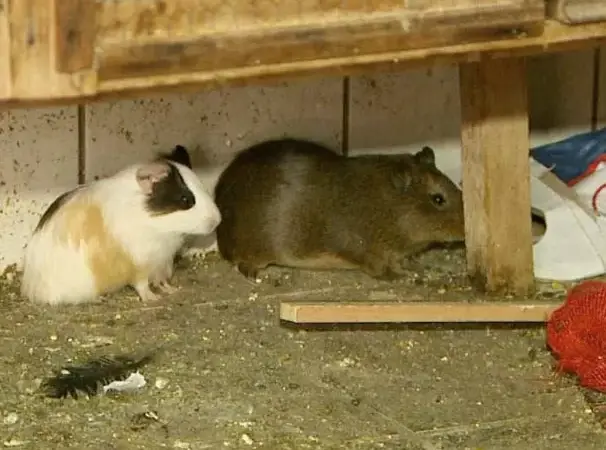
(36,33)
(496,174)
(5,51)
(75,33)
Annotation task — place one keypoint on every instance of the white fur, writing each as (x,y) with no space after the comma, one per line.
(57,273)
(200,246)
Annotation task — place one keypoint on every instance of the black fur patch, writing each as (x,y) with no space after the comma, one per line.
(53,208)
(170,194)
(179,155)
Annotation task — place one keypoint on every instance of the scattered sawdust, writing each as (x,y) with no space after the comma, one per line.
(232,376)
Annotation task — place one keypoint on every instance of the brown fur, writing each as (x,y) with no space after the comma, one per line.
(294,203)
(111,265)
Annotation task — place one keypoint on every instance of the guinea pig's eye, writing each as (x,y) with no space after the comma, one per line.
(185,200)
(438,199)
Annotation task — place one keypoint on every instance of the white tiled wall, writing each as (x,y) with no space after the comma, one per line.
(404,111)
(560,95)
(39,162)
(397,111)
(401,111)
(602,89)
(212,124)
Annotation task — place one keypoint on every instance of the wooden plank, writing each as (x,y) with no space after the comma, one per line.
(32,68)
(496,174)
(556,38)
(5,45)
(310,42)
(133,20)
(75,34)
(414,312)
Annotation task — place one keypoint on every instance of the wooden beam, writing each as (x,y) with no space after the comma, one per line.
(32,48)
(322,40)
(75,34)
(5,51)
(414,312)
(556,38)
(496,174)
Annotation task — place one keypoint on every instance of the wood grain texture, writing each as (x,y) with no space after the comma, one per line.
(206,54)
(133,20)
(555,38)
(414,312)
(313,37)
(75,34)
(496,175)
(5,54)
(32,48)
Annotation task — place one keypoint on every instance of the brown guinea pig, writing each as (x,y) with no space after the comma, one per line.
(295,203)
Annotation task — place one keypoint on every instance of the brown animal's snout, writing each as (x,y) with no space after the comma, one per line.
(446,200)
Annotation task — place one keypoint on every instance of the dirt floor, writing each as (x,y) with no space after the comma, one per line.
(231,376)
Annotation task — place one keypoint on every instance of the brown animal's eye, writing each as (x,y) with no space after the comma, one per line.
(438,199)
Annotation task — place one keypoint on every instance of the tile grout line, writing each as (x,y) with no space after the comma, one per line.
(81,144)
(340,393)
(345,117)
(595,98)
(484,426)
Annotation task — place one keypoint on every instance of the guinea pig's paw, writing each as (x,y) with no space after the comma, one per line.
(198,252)
(378,269)
(388,275)
(406,266)
(166,288)
(251,273)
(145,293)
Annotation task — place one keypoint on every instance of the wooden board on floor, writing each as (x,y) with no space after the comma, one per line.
(496,174)
(414,312)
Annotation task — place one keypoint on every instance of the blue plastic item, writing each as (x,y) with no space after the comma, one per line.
(571,157)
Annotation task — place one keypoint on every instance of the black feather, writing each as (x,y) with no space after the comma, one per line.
(89,376)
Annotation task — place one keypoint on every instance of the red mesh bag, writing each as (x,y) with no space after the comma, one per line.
(576,334)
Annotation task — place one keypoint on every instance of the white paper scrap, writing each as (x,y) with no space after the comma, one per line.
(132,383)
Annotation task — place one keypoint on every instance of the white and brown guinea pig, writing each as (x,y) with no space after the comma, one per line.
(118,231)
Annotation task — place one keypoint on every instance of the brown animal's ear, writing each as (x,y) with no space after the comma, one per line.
(401,179)
(426,157)
(150,174)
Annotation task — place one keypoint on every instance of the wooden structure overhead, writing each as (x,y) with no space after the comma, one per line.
(68,51)
(54,51)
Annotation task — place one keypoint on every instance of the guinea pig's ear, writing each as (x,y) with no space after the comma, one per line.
(426,156)
(179,155)
(150,174)
(401,179)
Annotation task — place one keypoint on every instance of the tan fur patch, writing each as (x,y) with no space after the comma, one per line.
(322,261)
(112,267)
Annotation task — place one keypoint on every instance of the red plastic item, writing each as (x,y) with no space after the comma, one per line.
(576,334)
(590,170)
